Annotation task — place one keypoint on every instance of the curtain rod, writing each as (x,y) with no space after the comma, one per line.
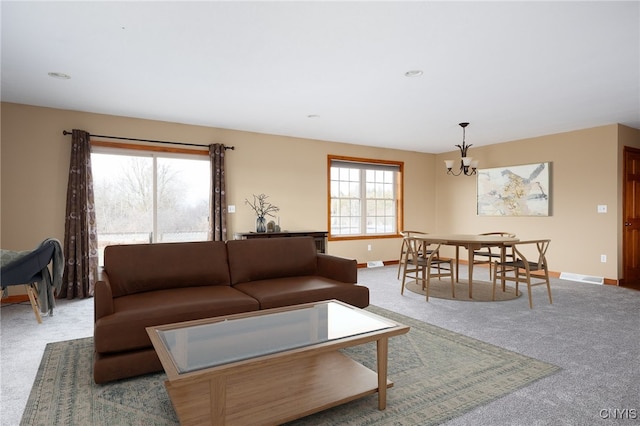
(65,133)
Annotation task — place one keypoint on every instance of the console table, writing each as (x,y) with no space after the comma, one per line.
(320,237)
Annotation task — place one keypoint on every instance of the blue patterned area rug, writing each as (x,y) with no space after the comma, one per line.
(437,375)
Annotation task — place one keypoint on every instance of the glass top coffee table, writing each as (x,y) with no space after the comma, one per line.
(271,366)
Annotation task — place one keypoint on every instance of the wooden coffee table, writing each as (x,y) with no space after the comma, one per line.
(271,366)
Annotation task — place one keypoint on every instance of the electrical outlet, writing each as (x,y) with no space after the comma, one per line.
(369,247)
(603,258)
(231,209)
(602,208)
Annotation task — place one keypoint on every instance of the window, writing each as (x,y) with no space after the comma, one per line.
(150,197)
(364,197)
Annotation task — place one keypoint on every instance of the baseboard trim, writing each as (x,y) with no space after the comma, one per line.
(552,274)
(384,262)
(18,298)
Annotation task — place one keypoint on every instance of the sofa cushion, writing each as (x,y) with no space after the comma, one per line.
(136,268)
(124,330)
(265,258)
(288,291)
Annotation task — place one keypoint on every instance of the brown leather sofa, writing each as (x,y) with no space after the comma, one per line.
(144,285)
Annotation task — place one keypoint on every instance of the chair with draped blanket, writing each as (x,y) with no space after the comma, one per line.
(31,269)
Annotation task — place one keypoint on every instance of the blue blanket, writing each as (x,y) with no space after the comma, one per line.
(51,282)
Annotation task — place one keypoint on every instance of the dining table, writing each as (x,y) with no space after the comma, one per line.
(471,242)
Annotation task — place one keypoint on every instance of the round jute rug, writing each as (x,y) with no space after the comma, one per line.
(481,290)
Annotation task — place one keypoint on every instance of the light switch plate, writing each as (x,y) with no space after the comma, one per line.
(602,208)
(231,209)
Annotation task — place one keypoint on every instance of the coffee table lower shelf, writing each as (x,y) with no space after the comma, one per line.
(272,392)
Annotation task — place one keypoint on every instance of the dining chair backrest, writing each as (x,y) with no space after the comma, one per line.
(500,233)
(531,253)
(413,248)
(412,233)
(421,249)
(486,255)
(529,256)
(403,248)
(424,264)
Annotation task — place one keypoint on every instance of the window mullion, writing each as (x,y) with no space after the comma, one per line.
(363,201)
(154,235)
(342,171)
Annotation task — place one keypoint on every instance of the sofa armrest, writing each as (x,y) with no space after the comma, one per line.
(338,268)
(102,296)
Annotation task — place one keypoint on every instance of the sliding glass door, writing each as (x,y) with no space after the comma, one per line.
(150,197)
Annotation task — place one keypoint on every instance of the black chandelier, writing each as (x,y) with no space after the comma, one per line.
(467,165)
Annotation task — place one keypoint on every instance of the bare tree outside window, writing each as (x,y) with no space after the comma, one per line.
(127,211)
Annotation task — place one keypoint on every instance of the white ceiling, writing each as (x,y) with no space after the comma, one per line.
(512,69)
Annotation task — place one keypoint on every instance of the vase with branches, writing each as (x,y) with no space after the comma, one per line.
(262,208)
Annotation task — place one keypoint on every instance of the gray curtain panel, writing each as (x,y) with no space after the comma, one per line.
(80,231)
(218,201)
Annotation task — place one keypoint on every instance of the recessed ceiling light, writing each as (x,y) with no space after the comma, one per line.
(413,73)
(59,75)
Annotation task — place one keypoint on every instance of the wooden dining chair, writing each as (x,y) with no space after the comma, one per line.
(531,272)
(403,248)
(487,255)
(424,263)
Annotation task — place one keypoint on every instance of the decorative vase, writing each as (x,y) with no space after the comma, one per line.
(261,224)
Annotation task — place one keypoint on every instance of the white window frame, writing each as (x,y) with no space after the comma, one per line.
(154,153)
(358,168)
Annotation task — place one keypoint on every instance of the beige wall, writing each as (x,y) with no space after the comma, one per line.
(292,171)
(35,157)
(584,173)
